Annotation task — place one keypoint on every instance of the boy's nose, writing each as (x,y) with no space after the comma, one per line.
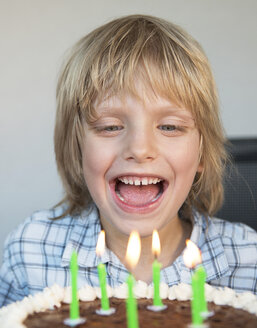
(140,147)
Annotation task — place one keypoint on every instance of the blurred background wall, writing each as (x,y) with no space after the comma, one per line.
(34,35)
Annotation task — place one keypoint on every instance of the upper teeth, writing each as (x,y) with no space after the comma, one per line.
(139,181)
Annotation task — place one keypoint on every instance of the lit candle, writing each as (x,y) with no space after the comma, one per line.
(131,305)
(202,278)
(74,319)
(192,258)
(105,306)
(156,283)
(132,257)
(156,249)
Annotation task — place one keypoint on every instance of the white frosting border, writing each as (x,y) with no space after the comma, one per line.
(13,315)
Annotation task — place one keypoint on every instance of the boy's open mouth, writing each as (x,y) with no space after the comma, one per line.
(139,191)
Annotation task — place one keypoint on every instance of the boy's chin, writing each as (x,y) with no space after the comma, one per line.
(144,230)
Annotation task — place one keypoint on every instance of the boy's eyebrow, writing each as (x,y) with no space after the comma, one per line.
(160,110)
(176,110)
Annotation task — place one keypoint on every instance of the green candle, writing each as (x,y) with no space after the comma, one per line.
(156,283)
(202,278)
(199,305)
(192,258)
(132,257)
(74,318)
(102,281)
(105,306)
(131,305)
(74,306)
(197,319)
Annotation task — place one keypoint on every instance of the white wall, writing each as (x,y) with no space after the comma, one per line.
(34,35)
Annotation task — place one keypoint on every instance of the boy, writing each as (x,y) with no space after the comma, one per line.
(139,146)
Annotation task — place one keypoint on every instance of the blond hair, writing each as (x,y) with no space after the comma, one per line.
(170,63)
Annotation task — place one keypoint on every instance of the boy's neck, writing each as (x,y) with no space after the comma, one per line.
(172,238)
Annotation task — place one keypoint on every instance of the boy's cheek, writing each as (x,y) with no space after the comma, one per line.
(184,159)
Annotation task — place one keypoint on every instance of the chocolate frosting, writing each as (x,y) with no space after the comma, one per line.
(177,314)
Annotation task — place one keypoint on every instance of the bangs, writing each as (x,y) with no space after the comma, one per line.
(163,62)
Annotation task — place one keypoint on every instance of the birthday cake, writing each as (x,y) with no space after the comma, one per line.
(51,307)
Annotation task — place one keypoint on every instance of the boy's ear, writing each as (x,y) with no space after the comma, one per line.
(200,167)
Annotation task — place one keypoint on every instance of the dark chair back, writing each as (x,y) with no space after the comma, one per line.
(240,184)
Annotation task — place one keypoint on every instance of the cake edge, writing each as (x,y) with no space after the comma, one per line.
(14,314)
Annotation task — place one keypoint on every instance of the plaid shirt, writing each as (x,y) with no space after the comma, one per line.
(38,252)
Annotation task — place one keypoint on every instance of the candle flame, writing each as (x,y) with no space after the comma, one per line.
(133,249)
(192,255)
(156,245)
(100,246)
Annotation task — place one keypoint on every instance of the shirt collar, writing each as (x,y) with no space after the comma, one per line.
(86,228)
(209,241)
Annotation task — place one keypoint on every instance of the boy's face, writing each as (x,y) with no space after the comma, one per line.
(139,162)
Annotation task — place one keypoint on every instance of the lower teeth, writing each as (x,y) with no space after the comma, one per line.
(158,195)
(120,197)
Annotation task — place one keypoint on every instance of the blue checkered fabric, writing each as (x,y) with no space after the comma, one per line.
(38,252)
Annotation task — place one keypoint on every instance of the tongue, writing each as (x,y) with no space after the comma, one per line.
(138,195)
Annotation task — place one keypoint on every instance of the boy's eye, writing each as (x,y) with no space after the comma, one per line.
(167,127)
(112,128)
(108,130)
(171,129)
